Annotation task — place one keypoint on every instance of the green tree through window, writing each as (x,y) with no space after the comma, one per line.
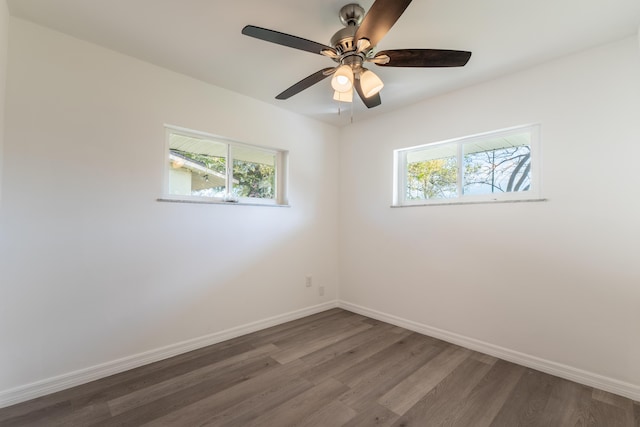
(432,179)
(254,179)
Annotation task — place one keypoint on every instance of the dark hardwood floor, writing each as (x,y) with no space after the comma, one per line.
(331,369)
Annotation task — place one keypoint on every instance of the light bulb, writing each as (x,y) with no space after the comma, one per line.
(342,80)
(370,83)
(343,96)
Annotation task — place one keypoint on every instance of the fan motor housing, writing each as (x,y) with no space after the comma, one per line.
(343,39)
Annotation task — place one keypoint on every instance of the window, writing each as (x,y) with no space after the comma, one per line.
(496,166)
(203,167)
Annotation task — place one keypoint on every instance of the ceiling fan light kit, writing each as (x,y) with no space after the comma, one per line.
(370,83)
(343,96)
(342,80)
(354,45)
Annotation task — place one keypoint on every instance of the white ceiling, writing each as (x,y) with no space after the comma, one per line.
(202,39)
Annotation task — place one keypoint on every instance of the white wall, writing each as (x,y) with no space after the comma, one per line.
(93,268)
(4,47)
(557,280)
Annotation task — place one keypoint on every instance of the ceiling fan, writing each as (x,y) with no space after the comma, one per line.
(353,46)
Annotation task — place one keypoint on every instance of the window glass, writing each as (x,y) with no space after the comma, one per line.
(500,165)
(254,173)
(197,166)
(432,173)
(202,167)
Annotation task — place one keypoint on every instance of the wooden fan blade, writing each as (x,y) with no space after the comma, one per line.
(379,20)
(372,101)
(425,58)
(305,83)
(285,39)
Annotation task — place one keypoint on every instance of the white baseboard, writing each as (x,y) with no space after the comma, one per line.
(591,379)
(83,376)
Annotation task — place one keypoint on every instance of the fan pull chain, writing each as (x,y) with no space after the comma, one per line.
(352,113)
(340,111)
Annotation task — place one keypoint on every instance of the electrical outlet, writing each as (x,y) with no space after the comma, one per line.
(321,291)
(308,281)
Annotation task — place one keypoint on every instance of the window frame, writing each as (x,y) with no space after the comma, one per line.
(281,169)
(533,194)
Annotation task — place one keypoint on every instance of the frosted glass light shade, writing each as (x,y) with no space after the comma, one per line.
(370,83)
(343,96)
(342,80)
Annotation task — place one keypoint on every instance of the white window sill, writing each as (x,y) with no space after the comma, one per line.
(216,202)
(475,202)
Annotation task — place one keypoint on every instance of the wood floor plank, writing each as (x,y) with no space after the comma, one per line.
(295,327)
(611,399)
(257,404)
(399,350)
(525,405)
(413,388)
(567,405)
(340,365)
(198,391)
(180,382)
(484,358)
(353,357)
(23,414)
(318,331)
(333,414)
(604,414)
(333,350)
(441,404)
(373,415)
(82,417)
(200,411)
(486,399)
(295,410)
(382,376)
(324,340)
(374,322)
